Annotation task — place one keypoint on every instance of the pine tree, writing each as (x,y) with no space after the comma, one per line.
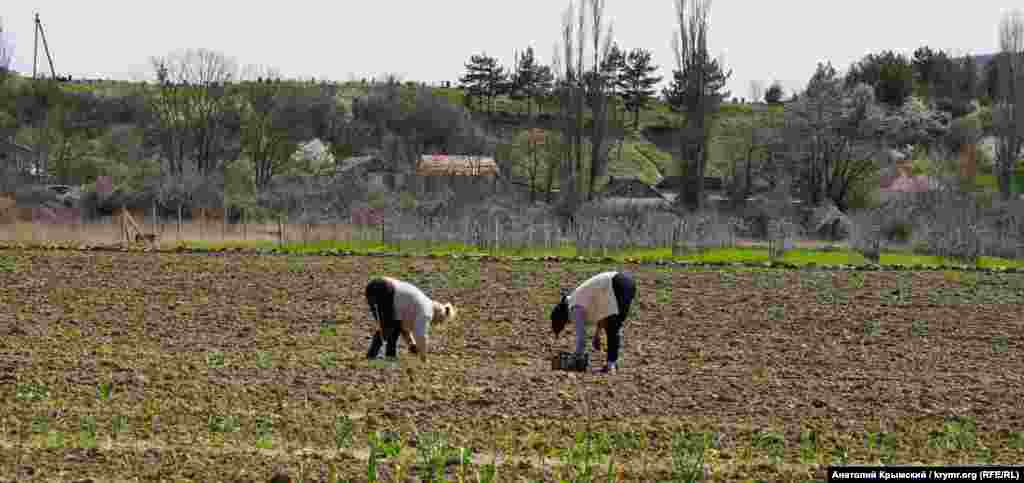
(484,78)
(522,76)
(543,84)
(774,93)
(531,79)
(679,97)
(928,66)
(637,82)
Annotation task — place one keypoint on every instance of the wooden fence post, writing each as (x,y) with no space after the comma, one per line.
(156,219)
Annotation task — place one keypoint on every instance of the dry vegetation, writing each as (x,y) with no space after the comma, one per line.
(234,367)
(108,232)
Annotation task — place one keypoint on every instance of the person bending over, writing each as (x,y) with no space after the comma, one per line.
(605,299)
(402,308)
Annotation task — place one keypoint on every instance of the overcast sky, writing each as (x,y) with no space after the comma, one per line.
(431,41)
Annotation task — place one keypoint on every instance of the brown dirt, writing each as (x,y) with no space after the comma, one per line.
(702,353)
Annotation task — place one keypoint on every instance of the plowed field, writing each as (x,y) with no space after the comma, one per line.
(221,368)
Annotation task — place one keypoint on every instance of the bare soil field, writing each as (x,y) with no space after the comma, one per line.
(155,366)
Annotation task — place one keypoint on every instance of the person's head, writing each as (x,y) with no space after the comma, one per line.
(444,312)
(560,314)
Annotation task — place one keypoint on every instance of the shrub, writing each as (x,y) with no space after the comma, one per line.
(899,231)
(889,73)
(952,227)
(774,94)
(866,233)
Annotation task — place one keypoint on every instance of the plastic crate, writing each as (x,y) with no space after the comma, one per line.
(569,361)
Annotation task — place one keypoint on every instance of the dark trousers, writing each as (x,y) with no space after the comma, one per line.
(624,288)
(381,298)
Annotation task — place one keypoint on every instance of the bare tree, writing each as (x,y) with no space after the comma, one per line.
(598,93)
(571,101)
(697,92)
(1008,114)
(192,104)
(746,142)
(6,54)
(578,89)
(258,73)
(756,91)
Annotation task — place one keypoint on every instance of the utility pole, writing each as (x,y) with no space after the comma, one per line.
(35,46)
(46,48)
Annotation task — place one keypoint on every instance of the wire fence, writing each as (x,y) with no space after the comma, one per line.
(494,231)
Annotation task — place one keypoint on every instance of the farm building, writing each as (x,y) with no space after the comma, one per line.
(444,170)
(626,206)
(377,172)
(629,187)
(451,165)
(902,181)
(14,156)
(675,183)
(625,194)
(671,186)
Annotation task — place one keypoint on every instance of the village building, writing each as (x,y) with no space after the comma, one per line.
(376,172)
(440,170)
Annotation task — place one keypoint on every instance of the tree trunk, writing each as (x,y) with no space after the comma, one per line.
(747,185)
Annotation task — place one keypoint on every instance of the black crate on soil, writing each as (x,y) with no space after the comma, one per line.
(569,361)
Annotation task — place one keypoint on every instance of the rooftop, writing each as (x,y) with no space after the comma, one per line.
(456,165)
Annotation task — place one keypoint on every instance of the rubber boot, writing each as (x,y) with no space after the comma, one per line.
(391,343)
(375,346)
(615,342)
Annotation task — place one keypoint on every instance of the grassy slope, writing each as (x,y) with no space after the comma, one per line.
(638,157)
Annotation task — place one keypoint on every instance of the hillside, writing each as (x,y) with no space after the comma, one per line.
(632,153)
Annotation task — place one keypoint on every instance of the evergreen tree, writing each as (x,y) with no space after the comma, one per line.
(543,84)
(890,74)
(484,79)
(928,69)
(637,82)
(531,80)
(774,93)
(612,68)
(681,97)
